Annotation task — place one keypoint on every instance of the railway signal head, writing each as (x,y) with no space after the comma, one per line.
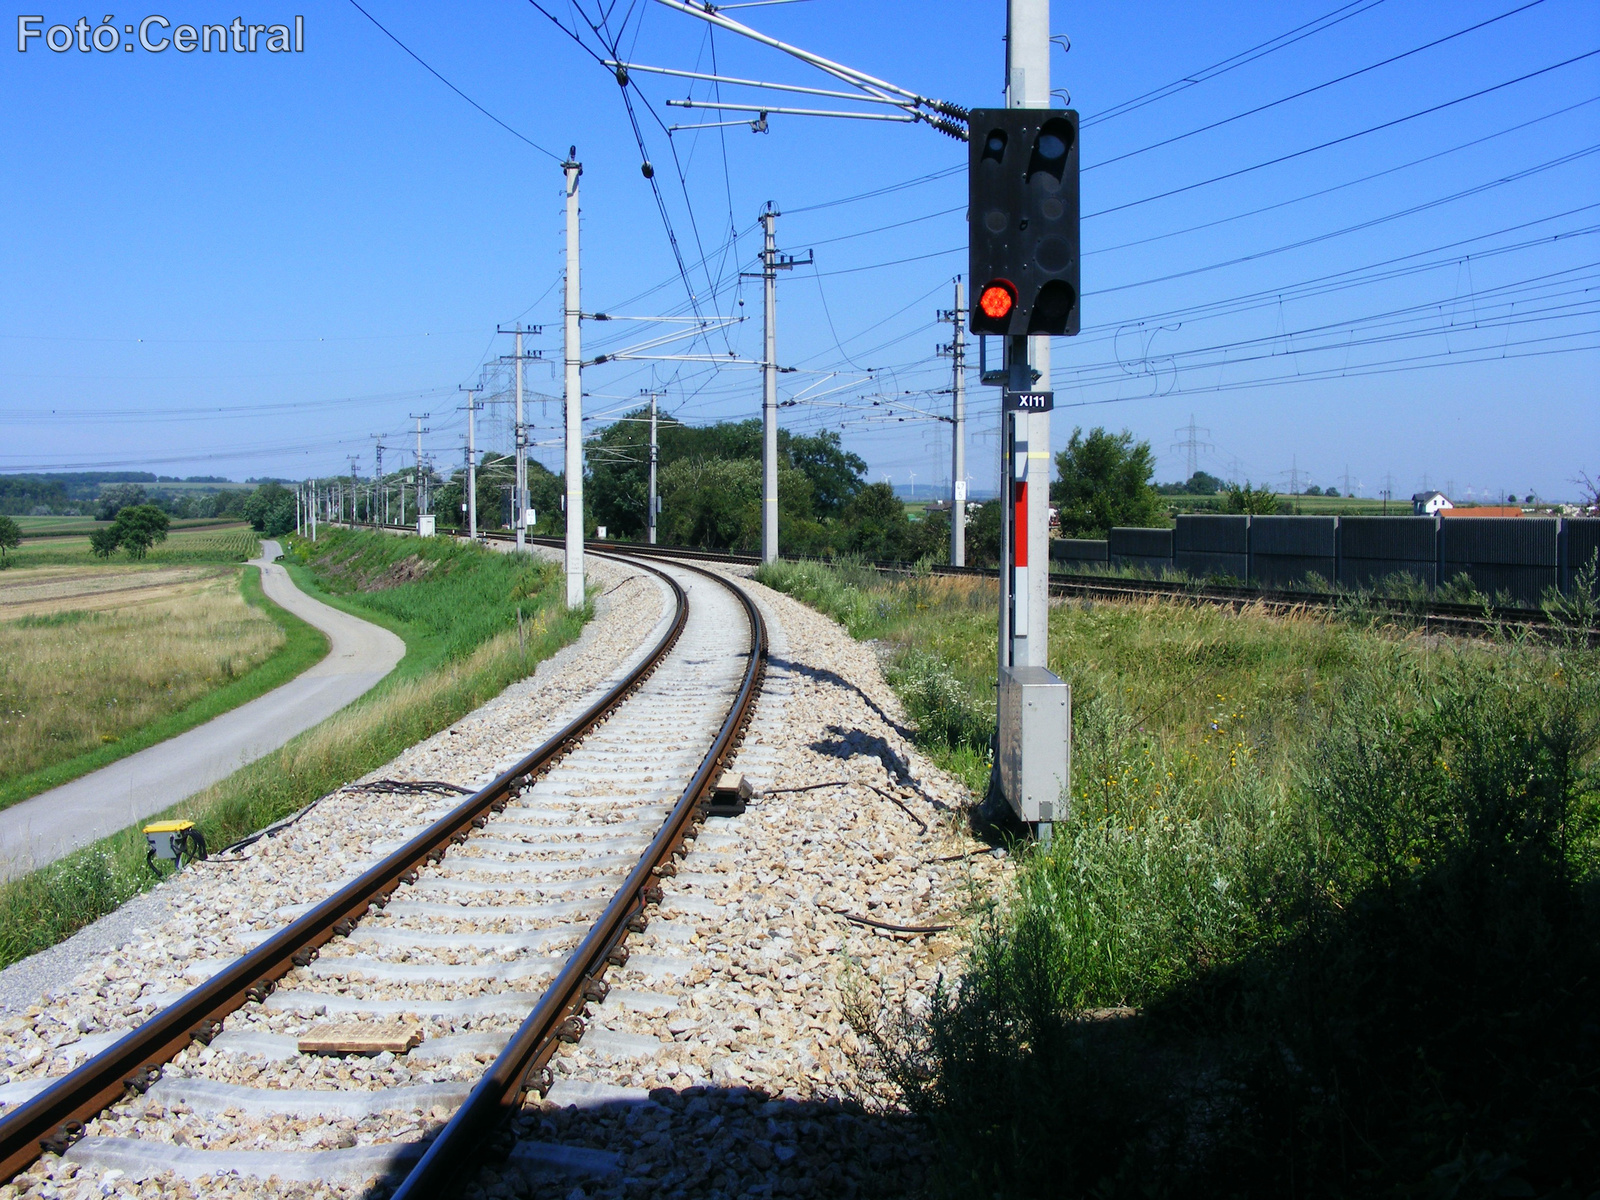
(1022,220)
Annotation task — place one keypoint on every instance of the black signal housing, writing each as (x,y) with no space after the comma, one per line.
(1022,218)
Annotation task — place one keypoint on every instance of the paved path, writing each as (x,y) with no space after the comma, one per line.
(54,823)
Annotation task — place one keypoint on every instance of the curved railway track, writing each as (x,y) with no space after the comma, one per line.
(538,878)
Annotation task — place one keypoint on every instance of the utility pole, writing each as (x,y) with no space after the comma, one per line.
(769,389)
(377,480)
(519,498)
(312,510)
(771,263)
(957,350)
(354,491)
(422,506)
(650,522)
(472,462)
(572,353)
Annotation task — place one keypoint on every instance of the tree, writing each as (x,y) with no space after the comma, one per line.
(876,524)
(1203,483)
(617,486)
(1259,502)
(118,496)
(1333,492)
(139,527)
(1589,494)
(1314,490)
(104,542)
(711,502)
(929,538)
(836,475)
(270,509)
(983,535)
(10,537)
(716,503)
(1105,481)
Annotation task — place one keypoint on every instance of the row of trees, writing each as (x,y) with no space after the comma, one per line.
(231,503)
(709,483)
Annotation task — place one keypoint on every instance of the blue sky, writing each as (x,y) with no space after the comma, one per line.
(249,264)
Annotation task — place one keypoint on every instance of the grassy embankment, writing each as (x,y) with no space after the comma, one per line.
(456,608)
(110,660)
(1324,920)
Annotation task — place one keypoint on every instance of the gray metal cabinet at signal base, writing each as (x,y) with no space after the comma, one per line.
(1036,743)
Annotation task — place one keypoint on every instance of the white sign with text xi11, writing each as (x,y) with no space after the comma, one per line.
(1029,401)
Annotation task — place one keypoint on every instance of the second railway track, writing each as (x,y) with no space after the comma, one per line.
(492,928)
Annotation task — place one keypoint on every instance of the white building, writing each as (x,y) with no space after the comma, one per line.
(1427,504)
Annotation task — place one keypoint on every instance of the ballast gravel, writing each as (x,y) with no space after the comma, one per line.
(723,1061)
(740,1073)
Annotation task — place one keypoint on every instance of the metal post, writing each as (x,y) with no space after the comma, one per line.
(1028,86)
(313,510)
(958,441)
(472,465)
(651,517)
(1032,762)
(381,492)
(769,390)
(422,495)
(573,355)
(519,501)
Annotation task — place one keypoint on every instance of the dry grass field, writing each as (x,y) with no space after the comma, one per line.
(90,654)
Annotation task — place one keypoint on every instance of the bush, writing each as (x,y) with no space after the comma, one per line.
(1256,501)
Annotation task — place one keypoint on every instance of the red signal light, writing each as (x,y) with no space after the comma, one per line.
(997,300)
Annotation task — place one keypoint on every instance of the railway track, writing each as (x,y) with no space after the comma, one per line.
(489,932)
(1430,617)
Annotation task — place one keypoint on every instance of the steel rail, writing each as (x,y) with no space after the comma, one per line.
(521,1066)
(53,1119)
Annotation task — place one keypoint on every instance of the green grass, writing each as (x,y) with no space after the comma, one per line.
(303,647)
(1306,506)
(462,649)
(1343,885)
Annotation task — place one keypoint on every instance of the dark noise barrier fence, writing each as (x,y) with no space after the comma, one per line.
(1523,557)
